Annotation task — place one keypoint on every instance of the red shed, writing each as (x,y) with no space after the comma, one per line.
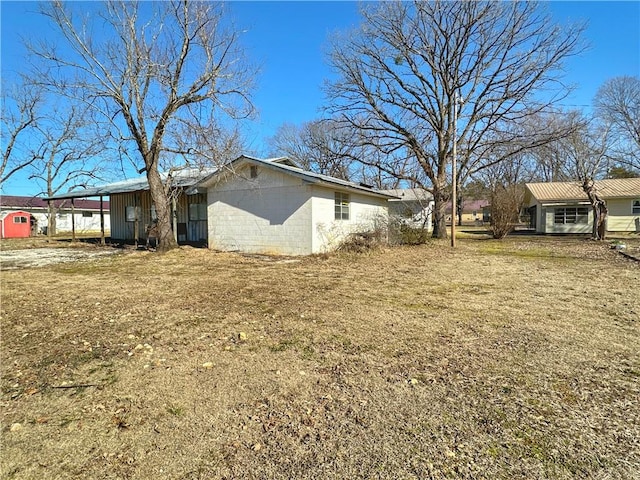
(15,224)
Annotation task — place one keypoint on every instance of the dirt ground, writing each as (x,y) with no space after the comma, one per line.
(514,359)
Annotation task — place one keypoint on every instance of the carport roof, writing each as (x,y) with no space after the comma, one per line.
(181,178)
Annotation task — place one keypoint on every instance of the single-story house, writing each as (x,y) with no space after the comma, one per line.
(85,213)
(15,224)
(474,212)
(563,207)
(251,205)
(413,206)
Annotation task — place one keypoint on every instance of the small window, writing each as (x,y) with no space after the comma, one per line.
(87,214)
(341,206)
(635,207)
(133,213)
(197,211)
(254,171)
(20,220)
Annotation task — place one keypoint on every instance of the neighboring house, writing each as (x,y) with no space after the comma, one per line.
(563,207)
(15,224)
(473,212)
(250,205)
(86,213)
(413,206)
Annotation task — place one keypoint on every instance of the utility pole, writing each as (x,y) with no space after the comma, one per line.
(454,173)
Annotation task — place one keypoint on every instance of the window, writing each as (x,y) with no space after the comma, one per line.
(20,220)
(341,206)
(154,215)
(87,214)
(635,207)
(254,171)
(133,213)
(568,215)
(197,211)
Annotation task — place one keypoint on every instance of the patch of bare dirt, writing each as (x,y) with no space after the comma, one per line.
(40,257)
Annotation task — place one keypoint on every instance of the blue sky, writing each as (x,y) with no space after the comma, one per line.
(288,40)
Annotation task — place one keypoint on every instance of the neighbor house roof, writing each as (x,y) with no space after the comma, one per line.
(283,165)
(563,191)
(409,194)
(15,201)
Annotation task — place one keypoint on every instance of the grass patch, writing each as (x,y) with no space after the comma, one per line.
(496,360)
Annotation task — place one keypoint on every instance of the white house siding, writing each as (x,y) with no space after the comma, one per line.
(621,217)
(63,220)
(365,214)
(194,230)
(268,214)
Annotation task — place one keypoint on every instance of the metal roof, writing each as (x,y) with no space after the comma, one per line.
(280,164)
(185,177)
(608,189)
(409,194)
(15,201)
(195,177)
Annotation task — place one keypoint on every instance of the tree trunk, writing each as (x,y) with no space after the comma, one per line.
(440,213)
(162,202)
(600,210)
(51,220)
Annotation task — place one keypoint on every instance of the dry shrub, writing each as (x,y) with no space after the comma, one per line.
(505,209)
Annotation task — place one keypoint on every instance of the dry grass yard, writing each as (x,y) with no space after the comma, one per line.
(517,359)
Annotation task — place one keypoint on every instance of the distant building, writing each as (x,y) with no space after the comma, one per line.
(414,206)
(86,213)
(563,207)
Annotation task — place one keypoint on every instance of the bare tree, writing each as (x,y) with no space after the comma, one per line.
(618,104)
(20,113)
(411,63)
(69,153)
(320,146)
(152,64)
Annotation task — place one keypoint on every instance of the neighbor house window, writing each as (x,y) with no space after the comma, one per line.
(635,207)
(568,215)
(253,171)
(154,215)
(197,211)
(87,214)
(20,220)
(342,206)
(133,213)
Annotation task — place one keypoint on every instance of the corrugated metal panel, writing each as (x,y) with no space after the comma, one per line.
(614,188)
(121,229)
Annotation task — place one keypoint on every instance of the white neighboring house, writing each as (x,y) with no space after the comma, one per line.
(413,206)
(563,207)
(86,213)
(272,206)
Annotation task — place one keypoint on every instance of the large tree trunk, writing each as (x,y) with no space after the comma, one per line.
(440,199)
(162,202)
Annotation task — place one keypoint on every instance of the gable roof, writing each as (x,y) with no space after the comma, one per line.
(17,202)
(279,164)
(564,191)
(192,178)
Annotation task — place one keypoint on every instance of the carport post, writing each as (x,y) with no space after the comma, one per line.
(101,221)
(73,221)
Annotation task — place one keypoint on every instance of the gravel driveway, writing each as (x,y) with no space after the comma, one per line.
(40,257)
